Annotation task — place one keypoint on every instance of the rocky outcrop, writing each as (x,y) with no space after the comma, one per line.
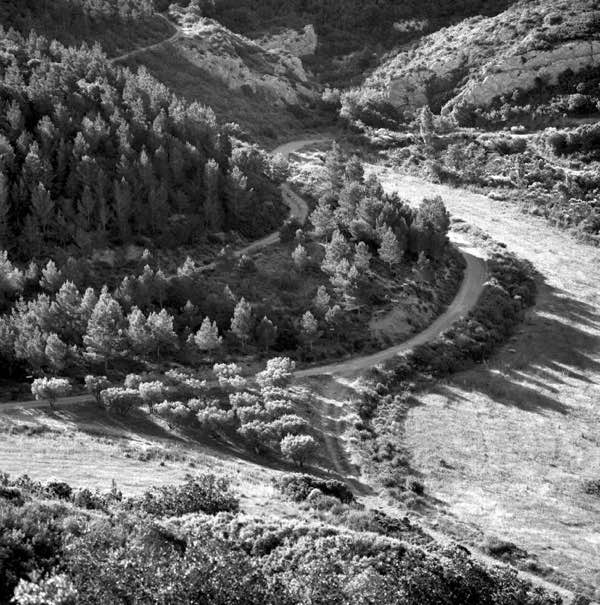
(481,58)
(243,64)
(298,43)
(522,71)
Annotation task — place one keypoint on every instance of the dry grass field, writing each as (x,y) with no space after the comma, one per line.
(506,447)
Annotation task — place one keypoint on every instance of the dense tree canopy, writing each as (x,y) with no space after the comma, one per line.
(91,153)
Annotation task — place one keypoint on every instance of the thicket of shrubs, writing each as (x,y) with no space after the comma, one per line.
(54,552)
(384,402)
(509,291)
(299,487)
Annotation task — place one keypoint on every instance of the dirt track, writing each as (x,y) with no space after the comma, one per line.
(136,51)
(475,277)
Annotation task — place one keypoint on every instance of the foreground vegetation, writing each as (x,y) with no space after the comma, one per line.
(188,544)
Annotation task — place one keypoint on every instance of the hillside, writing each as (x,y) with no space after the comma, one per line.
(237,77)
(118,26)
(528,46)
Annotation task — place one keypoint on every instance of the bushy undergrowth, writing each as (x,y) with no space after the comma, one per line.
(299,487)
(205,493)
(383,404)
(51,548)
(510,289)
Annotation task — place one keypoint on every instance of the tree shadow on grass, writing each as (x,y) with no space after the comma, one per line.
(558,342)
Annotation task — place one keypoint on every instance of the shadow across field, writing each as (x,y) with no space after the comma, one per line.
(557,342)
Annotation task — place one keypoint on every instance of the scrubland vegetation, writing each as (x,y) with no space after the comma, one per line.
(188,544)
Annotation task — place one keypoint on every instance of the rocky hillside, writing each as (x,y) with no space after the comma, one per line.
(473,63)
(267,91)
(242,64)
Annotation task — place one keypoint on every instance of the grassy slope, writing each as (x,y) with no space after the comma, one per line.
(253,112)
(519,436)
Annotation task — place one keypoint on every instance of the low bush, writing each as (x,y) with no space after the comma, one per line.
(298,487)
(54,553)
(592,487)
(204,493)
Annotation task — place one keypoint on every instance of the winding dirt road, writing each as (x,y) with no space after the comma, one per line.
(473,281)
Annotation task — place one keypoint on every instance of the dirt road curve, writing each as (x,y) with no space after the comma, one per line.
(475,276)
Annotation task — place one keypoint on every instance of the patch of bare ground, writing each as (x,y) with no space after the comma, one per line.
(506,447)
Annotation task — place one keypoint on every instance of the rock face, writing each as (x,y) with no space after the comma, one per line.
(298,43)
(482,58)
(243,64)
(521,71)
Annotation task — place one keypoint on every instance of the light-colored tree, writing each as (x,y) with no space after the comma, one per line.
(278,372)
(52,279)
(103,338)
(298,448)
(310,327)
(50,389)
(56,352)
(362,257)
(152,393)
(120,400)
(389,249)
(242,321)
(207,337)
(300,257)
(229,376)
(162,333)
(94,385)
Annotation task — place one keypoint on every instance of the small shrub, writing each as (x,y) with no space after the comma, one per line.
(592,487)
(415,486)
(299,487)
(59,489)
(120,401)
(205,493)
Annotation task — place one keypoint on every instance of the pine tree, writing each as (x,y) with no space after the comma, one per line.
(213,208)
(103,339)
(354,171)
(86,207)
(123,207)
(56,352)
(349,199)
(65,310)
(362,257)
(242,321)
(52,279)
(322,300)
(310,327)
(4,212)
(138,333)
(207,337)
(334,166)
(335,251)
(300,257)
(426,124)
(160,326)
(266,333)
(42,207)
(389,250)
(322,218)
